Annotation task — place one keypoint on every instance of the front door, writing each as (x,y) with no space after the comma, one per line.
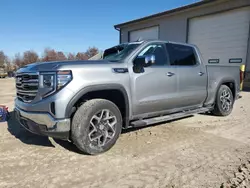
(154,89)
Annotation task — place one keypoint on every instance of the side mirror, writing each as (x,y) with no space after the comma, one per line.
(144,61)
(149,60)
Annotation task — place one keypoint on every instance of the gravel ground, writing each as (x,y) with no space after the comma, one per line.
(199,151)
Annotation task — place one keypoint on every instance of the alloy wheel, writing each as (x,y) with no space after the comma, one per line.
(226,100)
(102,128)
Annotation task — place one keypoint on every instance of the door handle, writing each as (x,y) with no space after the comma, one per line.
(169,74)
(201,73)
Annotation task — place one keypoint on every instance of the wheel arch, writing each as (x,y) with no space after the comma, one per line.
(231,83)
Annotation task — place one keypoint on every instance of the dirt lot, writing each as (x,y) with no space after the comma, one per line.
(200,151)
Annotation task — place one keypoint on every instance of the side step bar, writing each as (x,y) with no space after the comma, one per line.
(159,119)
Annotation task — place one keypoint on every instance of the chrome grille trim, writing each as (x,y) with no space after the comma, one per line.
(27,86)
(29,93)
(31,81)
(23,86)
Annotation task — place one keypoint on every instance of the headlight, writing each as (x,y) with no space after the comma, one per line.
(51,82)
(63,78)
(48,80)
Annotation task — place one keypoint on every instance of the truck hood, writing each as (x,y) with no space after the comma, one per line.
(57,65)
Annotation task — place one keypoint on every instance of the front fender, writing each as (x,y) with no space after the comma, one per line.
(99,87)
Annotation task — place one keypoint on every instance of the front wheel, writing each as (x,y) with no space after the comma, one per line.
(224,101)
(96,126)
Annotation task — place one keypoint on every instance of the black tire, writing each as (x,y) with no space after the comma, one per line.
(81,125)
(218,108)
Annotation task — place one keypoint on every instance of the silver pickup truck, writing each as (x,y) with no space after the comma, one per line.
(134,85)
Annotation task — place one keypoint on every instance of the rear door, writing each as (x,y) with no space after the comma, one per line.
(191,75)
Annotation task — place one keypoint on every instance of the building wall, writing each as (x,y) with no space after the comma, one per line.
(174,26)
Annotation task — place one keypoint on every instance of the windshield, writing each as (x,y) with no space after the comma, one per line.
(119,52)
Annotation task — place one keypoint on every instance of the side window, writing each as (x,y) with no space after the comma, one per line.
(181,55)
(158,50)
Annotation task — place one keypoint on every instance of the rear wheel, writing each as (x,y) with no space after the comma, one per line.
(96,126)
(224,101)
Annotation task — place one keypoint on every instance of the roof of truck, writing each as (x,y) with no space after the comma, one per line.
(157,40)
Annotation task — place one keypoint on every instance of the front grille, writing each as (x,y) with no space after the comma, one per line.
(27,86)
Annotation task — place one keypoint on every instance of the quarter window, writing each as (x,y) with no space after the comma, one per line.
(181,55)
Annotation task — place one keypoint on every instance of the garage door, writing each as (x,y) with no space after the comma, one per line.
(144,34)
(222,37)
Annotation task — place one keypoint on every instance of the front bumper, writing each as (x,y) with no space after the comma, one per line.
(43,124)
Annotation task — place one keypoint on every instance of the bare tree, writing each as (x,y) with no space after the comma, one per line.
(92,51)
(14,67)
(30,57)
(71,56)
(49,55)
(61,56)
(2,59)
(8,65)
(81,56)
(18,61)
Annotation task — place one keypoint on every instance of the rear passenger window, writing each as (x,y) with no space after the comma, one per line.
(181,55)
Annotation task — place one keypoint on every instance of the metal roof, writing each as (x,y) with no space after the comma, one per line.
(203,2)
